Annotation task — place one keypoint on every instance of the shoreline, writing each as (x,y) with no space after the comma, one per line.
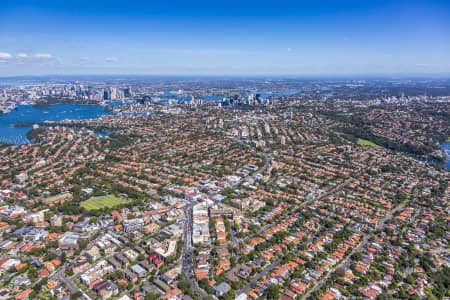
(15,125)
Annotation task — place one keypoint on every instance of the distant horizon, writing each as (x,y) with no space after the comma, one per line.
(393,76)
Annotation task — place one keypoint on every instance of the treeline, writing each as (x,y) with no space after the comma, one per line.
(356,127)
(68,208)
(42,105)
(34,134)
(353,133)
(346,118)
(26,124)
(117,141)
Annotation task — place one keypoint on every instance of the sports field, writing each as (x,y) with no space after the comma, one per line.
(367,143)
(101,202)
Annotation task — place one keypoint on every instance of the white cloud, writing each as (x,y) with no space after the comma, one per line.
(4,55)
(23,58)
(111,59)
(43,56)
(289,49)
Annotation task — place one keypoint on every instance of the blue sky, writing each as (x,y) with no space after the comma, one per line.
(224,37)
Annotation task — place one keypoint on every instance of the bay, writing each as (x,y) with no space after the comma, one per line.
(446,148)
(27,113)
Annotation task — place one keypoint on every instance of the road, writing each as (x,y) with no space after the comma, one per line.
(277,263)
(187,238)
(59,274)
(72,288)
(234,241)
(187,259)
(260,275)
(319,197)
(348,260)
(314,198)
(187,264)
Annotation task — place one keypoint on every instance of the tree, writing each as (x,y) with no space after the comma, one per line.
(357,256)
(152,296)
(339,273)
(141,257)
(204,284)
(83,245)
(273,292)
(184,285)
(410,279)
(32,273)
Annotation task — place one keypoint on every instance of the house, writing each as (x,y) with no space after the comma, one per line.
(161,285)
(147,266)
(139,250)
(69,240)
(105,289)
(80,266)
(155,260)
(174,230)
(81,226)
(131,277)
(147,289)
(131,254)
(165,249)
(112,261)
(171,275)
(221,289)
(132,225)
(141,272)
(93,253)
(9,263)
(43,273)
(20,280)
(122,259)
(173,294)
(151,228)
(23,294)
(241,297)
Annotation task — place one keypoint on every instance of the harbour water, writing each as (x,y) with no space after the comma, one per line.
(446,148)
(27,113)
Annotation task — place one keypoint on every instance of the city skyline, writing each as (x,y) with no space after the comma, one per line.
(232,38)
